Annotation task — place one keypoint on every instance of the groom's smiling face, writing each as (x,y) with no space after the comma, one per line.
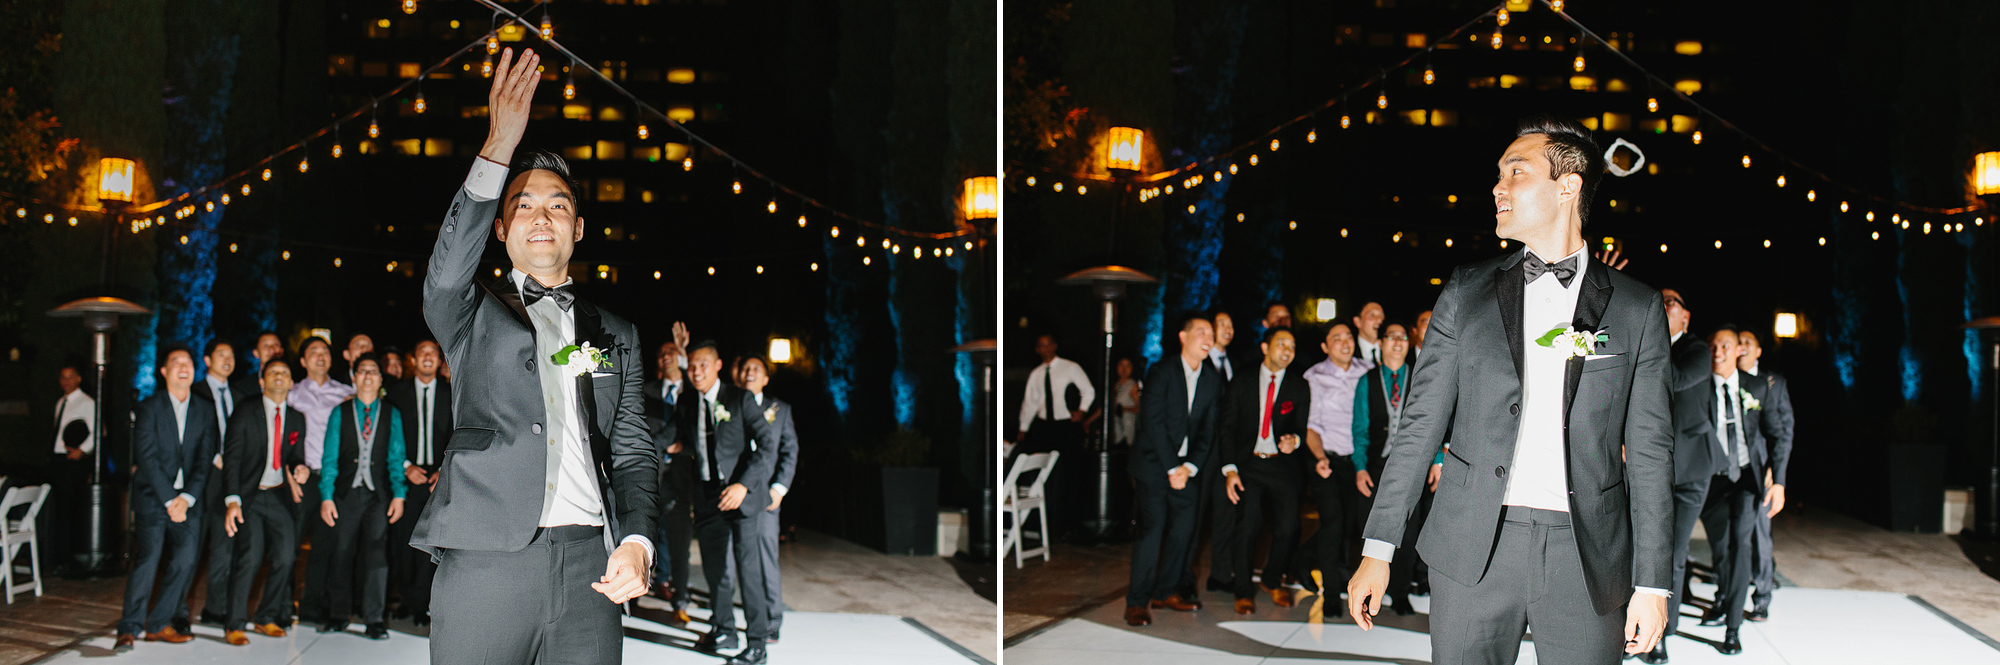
(538,222)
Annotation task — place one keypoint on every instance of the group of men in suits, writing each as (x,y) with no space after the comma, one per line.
(1733,430)
(1243,455)
(259,493)
(730,454)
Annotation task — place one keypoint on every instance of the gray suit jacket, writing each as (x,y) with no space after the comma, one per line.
(493,473)
(1469,383)
(778,414)
(735,459)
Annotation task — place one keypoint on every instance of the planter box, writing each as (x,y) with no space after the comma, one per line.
(895,511)
(1916,488)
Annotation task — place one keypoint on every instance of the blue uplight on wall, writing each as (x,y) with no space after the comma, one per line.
(1974,369)
(1911,366)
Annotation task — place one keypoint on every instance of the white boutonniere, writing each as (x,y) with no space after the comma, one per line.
(771,415)
(721,414)
(1749,403)
(1572,343)
(587,359)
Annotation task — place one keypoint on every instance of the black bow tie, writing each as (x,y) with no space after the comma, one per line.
(532,290)
(1565,269)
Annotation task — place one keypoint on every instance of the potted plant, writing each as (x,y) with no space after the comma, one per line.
(1916,472)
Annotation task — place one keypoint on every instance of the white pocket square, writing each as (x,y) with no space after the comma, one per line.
(1597,357)
(598,374)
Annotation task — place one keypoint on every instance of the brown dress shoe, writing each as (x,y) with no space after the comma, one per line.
(124,643)
(170,636)
(1177,603)
(681,616)
(1138,615)
(1281,596)
(269,629)
(1246,606)
(237,638)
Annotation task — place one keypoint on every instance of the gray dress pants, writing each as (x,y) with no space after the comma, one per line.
(532,606)
(1535,579)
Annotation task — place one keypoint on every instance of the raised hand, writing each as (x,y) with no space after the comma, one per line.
(1610,258)
(681,337)
(507,103)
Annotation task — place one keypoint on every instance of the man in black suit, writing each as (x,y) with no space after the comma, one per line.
(425,402)
(173,440)
(1550,371)
(215,386)
(1694,461)
(777,414)
(1178,414)
(269,347)
(1263,421)
(677,479)
(1764,575)
(1379,398)
(550,468)
(264,461)
(720,423)
(1217,513)
(1735,404)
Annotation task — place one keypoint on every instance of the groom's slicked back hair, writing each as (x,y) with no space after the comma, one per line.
(543,160)
(1570,150)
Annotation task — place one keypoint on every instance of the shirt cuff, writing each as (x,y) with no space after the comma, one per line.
(232,500)
(189,498)
(781,489)
(406,464)
(1379,550)
(1228,469)
(1663,593)
(1192,469)
(486,179)
(643,542)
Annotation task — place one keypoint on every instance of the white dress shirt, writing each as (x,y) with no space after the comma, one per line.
(1729,411)
(274,473)
(1221,359)
(73,407)
(1062,373)
(425,415)
(224,406)
(1267,379)
(1370,350)
(704,412)
(1193,375)
(181,428)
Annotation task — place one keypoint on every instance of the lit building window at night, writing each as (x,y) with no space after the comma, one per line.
(576,111)
(681,75)
(576,152)
(411,147)
(610,114)
(611,190)
(681,113)
(408,70)
(1688,86)
(437,147)
(610,149)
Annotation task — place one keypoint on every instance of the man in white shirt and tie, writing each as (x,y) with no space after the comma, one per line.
(220,358)
(425,402)
(1367,328)
(1048,424)
(62,515)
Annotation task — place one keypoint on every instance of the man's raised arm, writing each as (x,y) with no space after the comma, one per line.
(449,292)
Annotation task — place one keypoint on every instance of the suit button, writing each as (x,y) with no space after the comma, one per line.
(531,365)
(449,227)
(1499,472)
(536,428)
(1514,409)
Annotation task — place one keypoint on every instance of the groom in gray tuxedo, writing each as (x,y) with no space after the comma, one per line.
(547,491)
(1555,508)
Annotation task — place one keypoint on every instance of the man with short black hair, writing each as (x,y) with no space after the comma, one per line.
(721,423)
(677,479)
(173,438)
(220,357)
(1741,425)
(1049,423)
(425,402)
(362,477)
(1263,426)
(68,468)
(315,396)
(269,347)
(1367,331)
(756,375)
(1764,575)
(1177,417)
(1276,315)
(1694,459)
(264,462)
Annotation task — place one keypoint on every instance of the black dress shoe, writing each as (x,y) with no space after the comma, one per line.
(378,631)
(1762,615)
(421,618)
(1219,585)
(1731,645)
(1657,656)
(1713,618)
(773,639)
(711,643)
(750,656)
(1402,607)
(1420,589)
(333,627)
(180,625)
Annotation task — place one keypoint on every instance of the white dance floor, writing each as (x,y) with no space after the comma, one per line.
(810,638)
(1817,626)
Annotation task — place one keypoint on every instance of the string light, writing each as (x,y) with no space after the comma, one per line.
(1556,5)
(1896,218)
(736,187)
(1232,168)
(421,106)
(1343,233)
(1697,137)
(802,221)
(1746,161)
(1578,63)
(815,266)
(866,260)
(1345,122)
(1082,189)
(1382,100)
(1057,187)
(1663,248)
(711,270)
(486,68)
(336,150)
(1253,162)
(643,132)
(835,232)
(225,198)
(49,219)
(1843,206)
(1718,244)
(1496,40)
(390,268)
(1239,218)
(1812,195)
(1874,235)
(1871,215)
(267,174)
(1503,17)
(374,129)
(1312,136)
(1430,75)
(1781,180)
(569,86)
(1274,145)
(1767,243)
(336,260)
(304,164)
(687,163)
(492,43)
(1652,104)
(771,207)
(656,275)
(885,243)
(1295,225)
(548,28)
(1190,208)
(409,6)
(1822,241)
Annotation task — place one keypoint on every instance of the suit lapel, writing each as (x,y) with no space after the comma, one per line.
(589,328)
(1594,298)
(1510,289)
(503,289)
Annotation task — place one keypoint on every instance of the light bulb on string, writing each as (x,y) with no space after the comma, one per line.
(421,106)
(736,187)
(1697,137)
(772,207)
(569,87)
(802,221)
(1843,206)
(1346,122)
(1232,168)
(492,43)
(548,28)
(267,174)
(1382,100)
(1781,180)
(246,189)
(1274,145)
(1312,135)
(206,207)
(1430,75)
(687,163)
(409,6)
(304,164)
(1746,161)
(336,148)
(1497,40)
(225,198)
(1503,17)
(1871,215)
(1556,5)
(1577,63)
(486,67)
(1812,195)
(644,132)
(1253,162)
(1652,105)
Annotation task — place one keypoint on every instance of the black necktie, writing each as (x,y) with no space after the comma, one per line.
(1729,436)
(708,445)
(532,290)
(424,428)
(1534,266)
(1048,393)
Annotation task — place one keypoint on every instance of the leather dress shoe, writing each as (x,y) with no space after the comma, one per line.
(180,624)
(1138,615)
(269,629)
(123,643)
(1402,607)
(1657,656)
(773,639)
(1421,589)
(1218,585)
(1246,606)
(1714,617)
(421,618)
(333,627)
(1731,644)
(170,636)
(1177,603)
(212,618)
(236,638)
(378,631)
(1763,615)
(662,591)
(1281,596)
(711,642)
(750,656)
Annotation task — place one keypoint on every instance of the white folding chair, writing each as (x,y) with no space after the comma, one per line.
(21,532)
(1020,501)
